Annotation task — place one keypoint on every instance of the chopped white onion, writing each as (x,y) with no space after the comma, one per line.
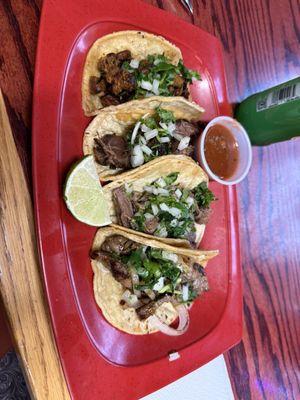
(175,212)
(159,284)
(185,292)
(169,256)
(162,231)
(164,207)
(146,150)
(145,128)
(171,127)
(171,210)
(148,189)
(178,193)
(155,86)
(128,187)
(177,136)
(184,142)
(135,131)
(146,85)
(163,125)
(161,182)
(151,134)
(135,278)
(174,223)
(151,189)
(162,191)
(164,139)
(142,140)
(131,299)
(183,324)
(154,209)
(148,216)
(190,201)
(157,61)
(134,63)
(137,157)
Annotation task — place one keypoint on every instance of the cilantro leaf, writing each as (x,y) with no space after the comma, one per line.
(165,115)
(171,178)
(203,195)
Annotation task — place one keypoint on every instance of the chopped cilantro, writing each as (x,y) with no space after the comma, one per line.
(171,178)
(203,195)
(165,115)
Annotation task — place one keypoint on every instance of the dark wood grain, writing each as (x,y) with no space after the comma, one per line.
(261,48)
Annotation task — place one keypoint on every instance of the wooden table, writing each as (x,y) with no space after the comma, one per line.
(261,48)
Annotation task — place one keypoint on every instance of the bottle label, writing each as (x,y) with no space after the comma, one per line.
(278,97)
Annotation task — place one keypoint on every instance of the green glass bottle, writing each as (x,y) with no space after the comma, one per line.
(272,115)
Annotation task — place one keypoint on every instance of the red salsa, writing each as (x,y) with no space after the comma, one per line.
(221,151)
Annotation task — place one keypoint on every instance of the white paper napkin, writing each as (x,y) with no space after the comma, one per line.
(209,382)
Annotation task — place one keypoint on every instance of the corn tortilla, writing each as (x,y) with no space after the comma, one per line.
(108,292)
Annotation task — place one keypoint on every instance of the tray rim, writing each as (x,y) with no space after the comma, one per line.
(236,331)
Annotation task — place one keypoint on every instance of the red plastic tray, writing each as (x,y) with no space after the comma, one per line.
(91,350)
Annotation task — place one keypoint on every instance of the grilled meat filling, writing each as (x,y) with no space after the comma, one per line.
(112,150)
(121,81)
(140,268)
(123,206)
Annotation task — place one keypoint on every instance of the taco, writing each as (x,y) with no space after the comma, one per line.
(142,285)
(167,198)
(129,135)
(130,65)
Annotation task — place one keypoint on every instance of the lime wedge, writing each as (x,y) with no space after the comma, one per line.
(84,196)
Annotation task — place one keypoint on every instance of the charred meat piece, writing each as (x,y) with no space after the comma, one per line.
(117,268)
(109,100)
(123,206)
(144,66)
(99,153)
(196,278)
(185,128)
(146,310)
(159,149)
(200,269)
(175,91)
(149,308)
(179,87)
(185,90)
(100,255)
(200,283)
(163,149)
(112,150)
(151,225)
(119,244)
(123,81)
(201,214)
(178,81)
(124,55)
(139,199)
(97,85)
(109,66)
